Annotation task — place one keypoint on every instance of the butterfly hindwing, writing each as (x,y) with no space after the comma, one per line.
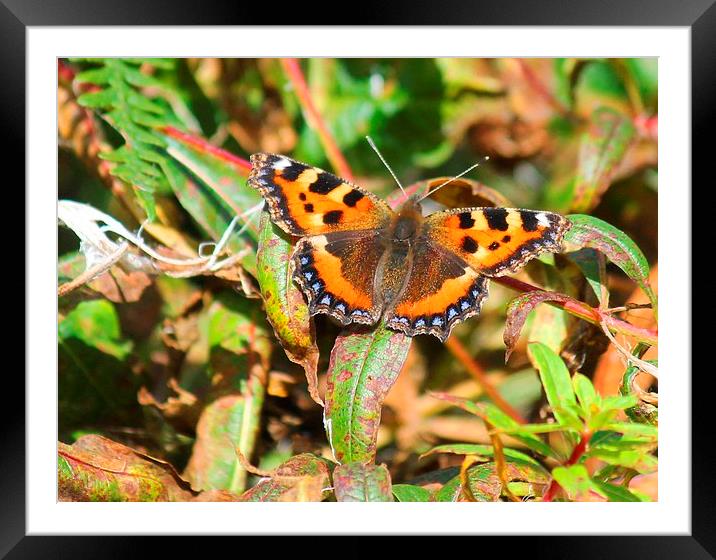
(337,273)
(305,200)
(496,241)
(441,291)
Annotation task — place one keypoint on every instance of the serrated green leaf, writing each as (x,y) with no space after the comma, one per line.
(98,99)
(97,76)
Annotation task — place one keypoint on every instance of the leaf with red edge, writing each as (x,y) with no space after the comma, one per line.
(356,482)
(520,307)
(303,478)
(286,308)
(98,469)
(602,148)
(618,247)
(362,369)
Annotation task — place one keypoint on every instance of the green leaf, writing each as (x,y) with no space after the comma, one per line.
(218,170)
(602,148)
(224,426)
(481,451)
(588,398)
(286,308)
(575,481)
(588,231)
(556,382)
(646,431)
(96,323)
(362,368)
(303,478)
(210,212)
(615,493)
(135,117)
(638,459)
(410,493)
(357,482)
(490,413)
(519,309)
(96,469)
(486,486)
(98,100)
(642,412)
(592,265)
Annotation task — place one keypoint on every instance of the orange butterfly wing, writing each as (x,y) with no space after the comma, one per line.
(457,252)
(342,228)
(305,200)
(496,241)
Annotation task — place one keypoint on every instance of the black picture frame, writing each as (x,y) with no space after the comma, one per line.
(699,15)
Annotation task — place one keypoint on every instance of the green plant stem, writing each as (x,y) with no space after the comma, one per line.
(588,313)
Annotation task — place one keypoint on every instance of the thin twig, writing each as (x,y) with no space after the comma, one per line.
(456,348)
(93,271)
(629,358)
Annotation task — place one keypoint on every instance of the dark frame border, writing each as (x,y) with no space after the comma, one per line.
(699,15)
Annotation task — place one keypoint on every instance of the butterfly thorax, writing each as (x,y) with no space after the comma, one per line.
(407,222)
(397,262)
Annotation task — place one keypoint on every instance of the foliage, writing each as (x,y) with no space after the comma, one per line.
(190,367)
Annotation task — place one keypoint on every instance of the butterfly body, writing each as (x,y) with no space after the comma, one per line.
(359,261)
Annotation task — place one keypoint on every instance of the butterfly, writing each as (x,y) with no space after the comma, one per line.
(359,261)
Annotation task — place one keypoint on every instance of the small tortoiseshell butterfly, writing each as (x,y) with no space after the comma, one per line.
(358,260)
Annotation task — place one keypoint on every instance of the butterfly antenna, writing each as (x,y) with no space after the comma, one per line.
(452,179)
(375,148)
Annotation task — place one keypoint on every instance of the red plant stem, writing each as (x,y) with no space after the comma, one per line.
(577,453)
(293,70)
(588,313)
(460,352)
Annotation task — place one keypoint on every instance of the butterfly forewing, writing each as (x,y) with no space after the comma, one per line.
(496,241)
(305,200)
